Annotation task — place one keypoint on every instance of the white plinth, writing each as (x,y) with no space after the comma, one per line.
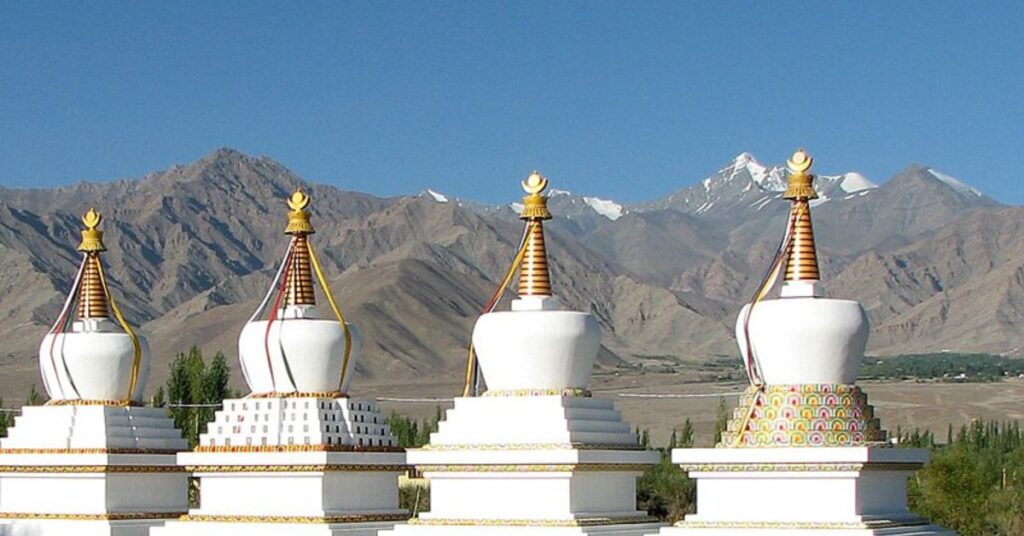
(554,465)
(816,490)
(92,470)
(294,466)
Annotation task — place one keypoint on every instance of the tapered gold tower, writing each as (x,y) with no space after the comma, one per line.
(92,299)
(802,256)
(299,287)
(535,278)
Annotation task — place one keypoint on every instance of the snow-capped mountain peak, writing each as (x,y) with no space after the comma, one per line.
(770,178)
(607,208)
(436,196)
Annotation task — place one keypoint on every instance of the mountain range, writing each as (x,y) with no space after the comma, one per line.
(937,264)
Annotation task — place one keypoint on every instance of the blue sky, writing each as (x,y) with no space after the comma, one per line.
(627,100)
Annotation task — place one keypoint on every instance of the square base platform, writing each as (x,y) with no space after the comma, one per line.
(813,491)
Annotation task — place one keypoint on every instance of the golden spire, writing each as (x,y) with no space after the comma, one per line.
(801,256)
(92,300)
(535,278)
(299,286)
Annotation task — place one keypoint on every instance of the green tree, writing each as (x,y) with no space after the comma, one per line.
(6,419)
(194,390)
(159,398)
(721,420)
(34,398)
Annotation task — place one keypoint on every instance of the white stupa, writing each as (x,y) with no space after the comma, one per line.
(91,461)
(296,456)
(803,453)
(535,454)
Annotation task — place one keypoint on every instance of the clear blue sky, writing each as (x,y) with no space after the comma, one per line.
(628,100)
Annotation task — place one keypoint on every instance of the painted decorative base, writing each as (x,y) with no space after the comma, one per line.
(92,470)
(548,464)
(816,490)
(294,466)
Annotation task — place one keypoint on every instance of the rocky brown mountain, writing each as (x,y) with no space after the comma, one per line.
(938,265)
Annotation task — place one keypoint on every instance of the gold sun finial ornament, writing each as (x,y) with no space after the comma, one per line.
(799,185)
(92,238)
(535,206)
(298,217)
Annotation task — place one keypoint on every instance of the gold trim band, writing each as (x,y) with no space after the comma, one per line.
(556,468)
(581,522)
(393,468)
(111,403)
(296,448)
(569,392)
(533,446)
(803,525)
(311,394)
(796,467)
(318,520)
(114,516)
(38,469)
(86,451)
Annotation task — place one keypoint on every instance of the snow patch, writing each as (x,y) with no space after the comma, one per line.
(854,182)
(440,198)
(705,207)
(604,207)
(953,183)
(518,207)
(821,200)
(555,192)
(761,203)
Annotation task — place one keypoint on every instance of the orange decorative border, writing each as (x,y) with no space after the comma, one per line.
(295,448)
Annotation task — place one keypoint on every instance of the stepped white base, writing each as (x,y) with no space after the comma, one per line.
(90,470)
(294,466)
(277,421)
(817,490)
(93,427)
(557,465)
(71,527)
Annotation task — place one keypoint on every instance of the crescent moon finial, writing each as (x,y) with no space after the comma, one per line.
(800,162)
(535,183)
(92,219)
(298,200)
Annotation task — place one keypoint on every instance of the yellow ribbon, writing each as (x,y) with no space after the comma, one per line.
(137,362)
(337,313)
(471,354)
